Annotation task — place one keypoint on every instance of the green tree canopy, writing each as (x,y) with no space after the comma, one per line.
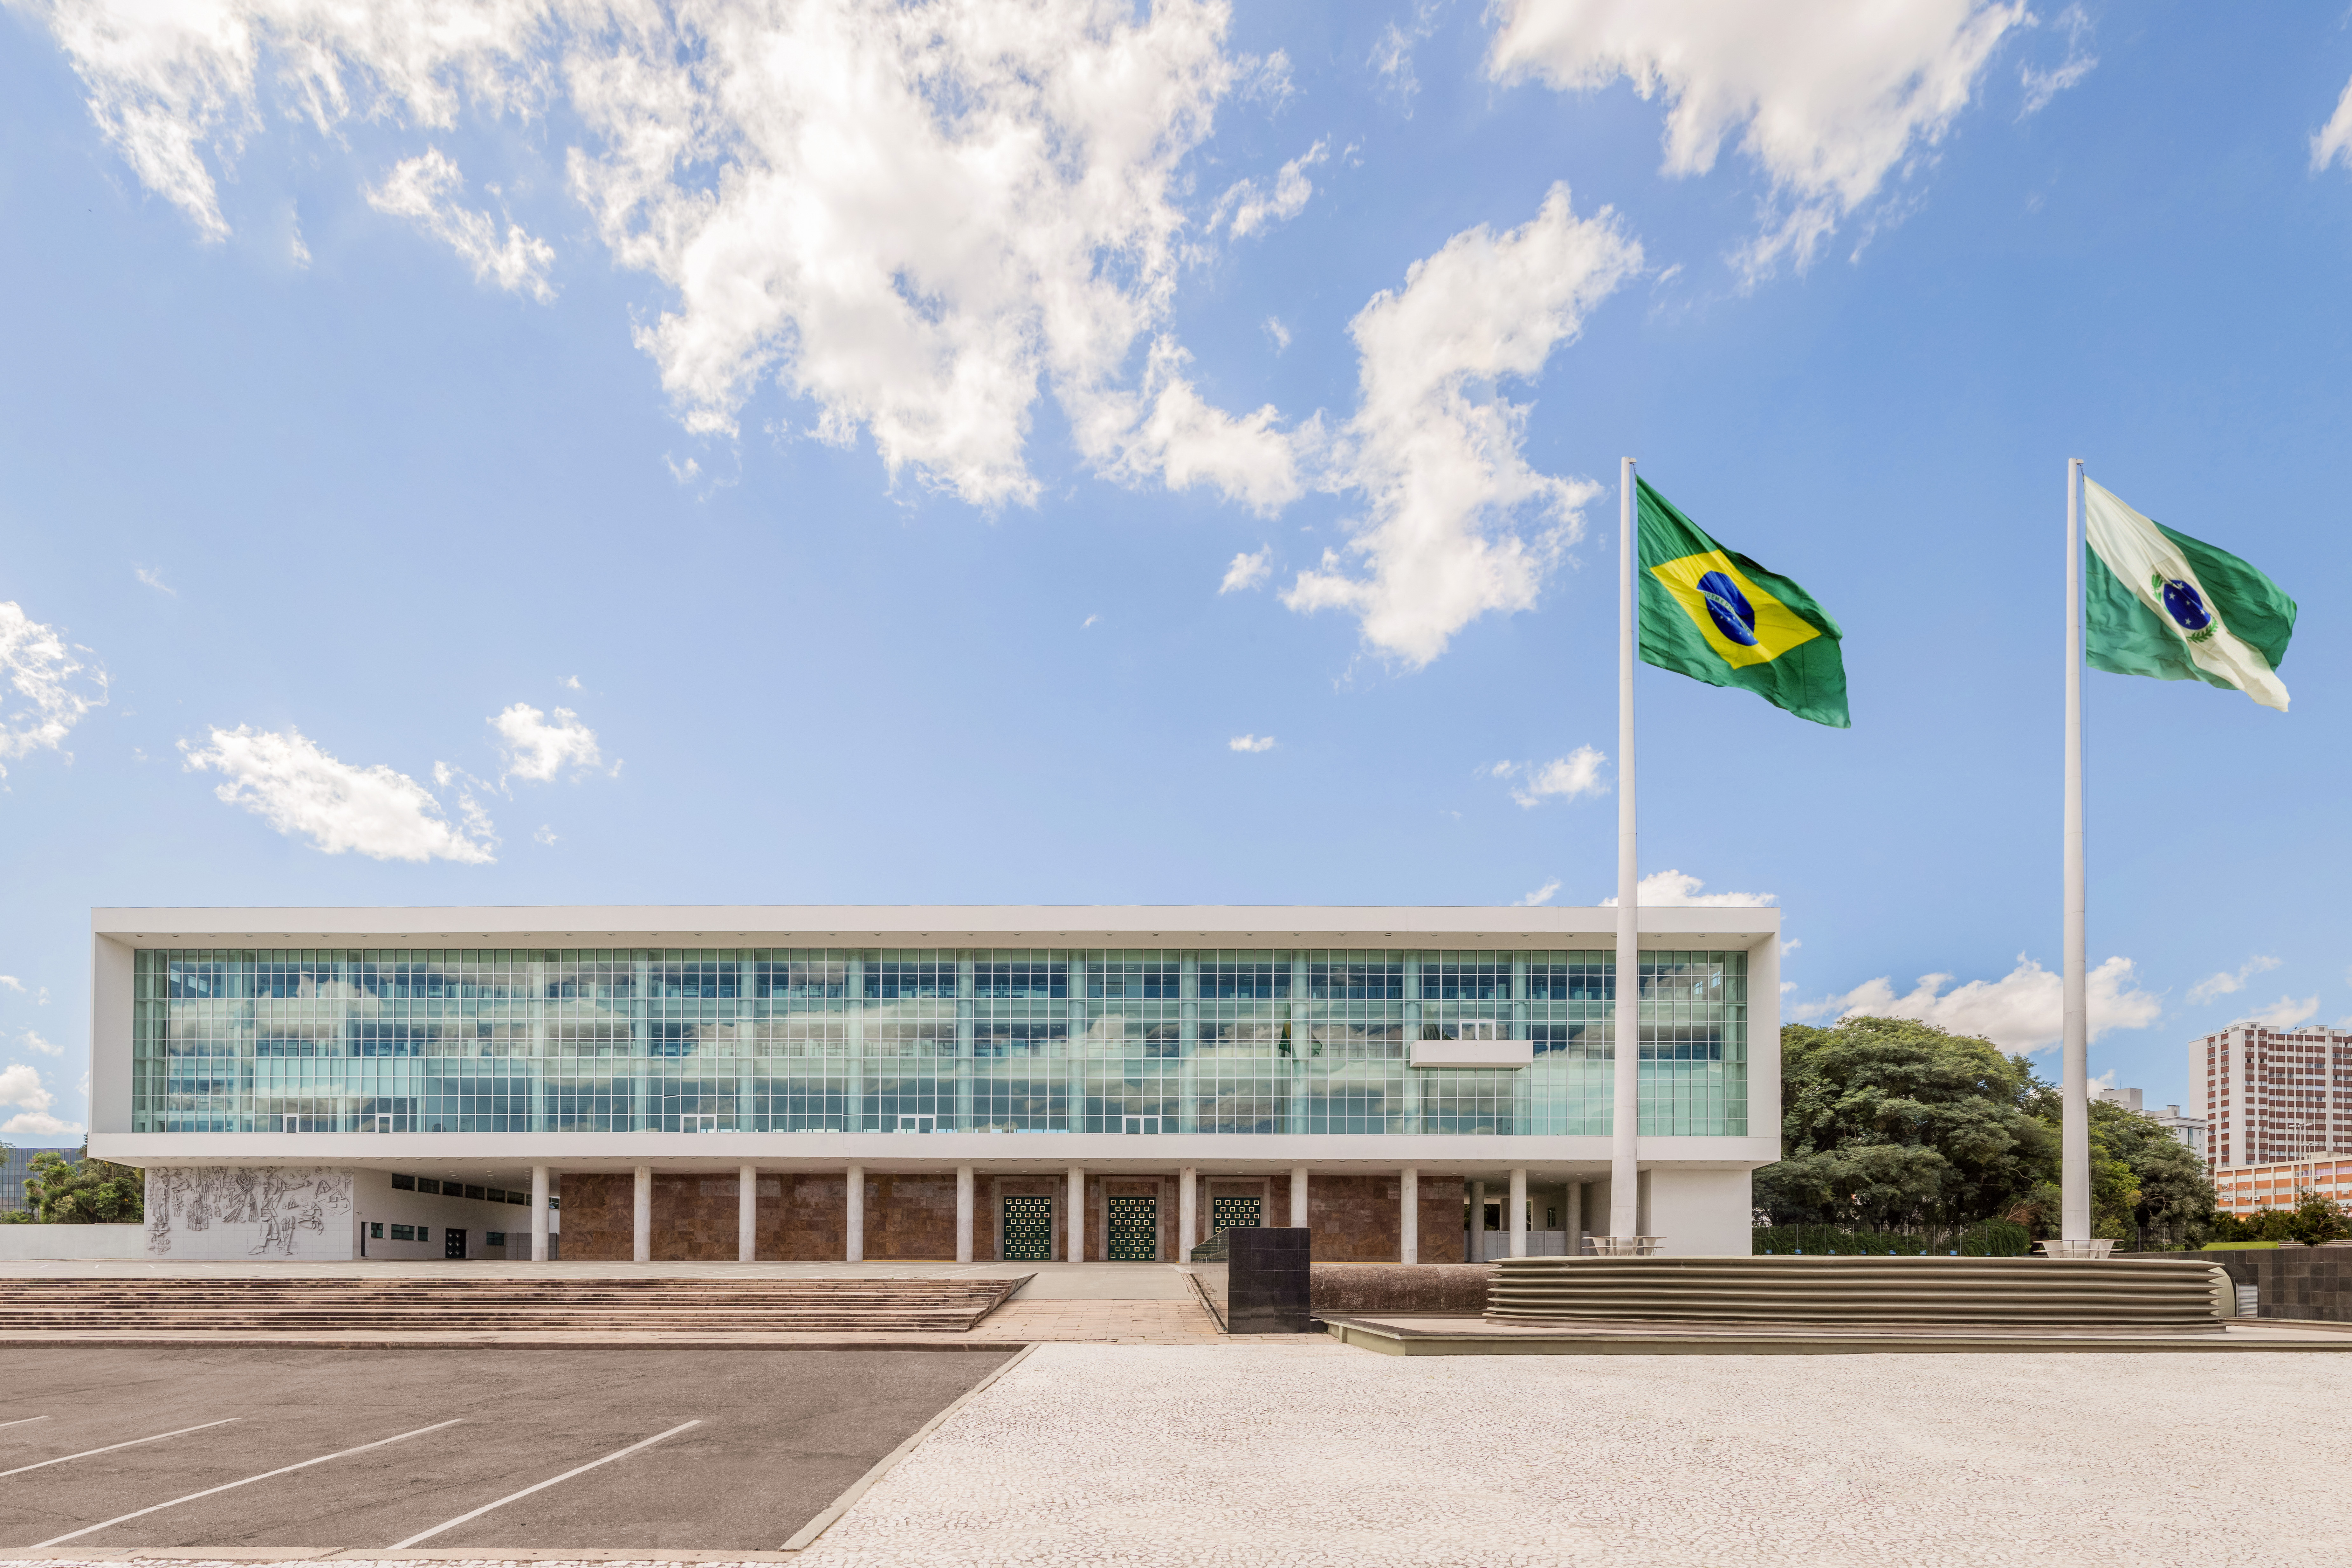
(1889,1121)
(81,1192)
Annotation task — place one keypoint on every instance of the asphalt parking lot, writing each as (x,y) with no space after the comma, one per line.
(718,1450)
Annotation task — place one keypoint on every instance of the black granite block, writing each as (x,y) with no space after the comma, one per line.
(1270,1282)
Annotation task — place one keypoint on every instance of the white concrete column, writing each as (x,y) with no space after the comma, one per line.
(856,1188)
(1516,1222)
(1409,1215)
(539,1214)
(643,1251)
(1575,1219)
(963,1213)
(747,1215)
(1076,1225)
(1188,1213)
(1477,1221)
(1297,1196)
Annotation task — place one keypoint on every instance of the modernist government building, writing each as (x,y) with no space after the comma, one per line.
(883,1084)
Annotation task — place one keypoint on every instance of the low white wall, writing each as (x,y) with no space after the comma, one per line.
(1700,1213)
(26,1243)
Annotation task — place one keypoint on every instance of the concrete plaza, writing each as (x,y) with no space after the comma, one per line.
(1313,1455)
(1309,1454)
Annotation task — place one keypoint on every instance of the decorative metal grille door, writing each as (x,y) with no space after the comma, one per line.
(1029,1230)
(1225,1213)
(1134,1230)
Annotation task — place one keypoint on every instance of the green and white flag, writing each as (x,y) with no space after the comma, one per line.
(2176,608)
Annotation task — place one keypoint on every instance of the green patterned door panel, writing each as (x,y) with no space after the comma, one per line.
(1134,1230)
(1225,1213)
(1029,1230)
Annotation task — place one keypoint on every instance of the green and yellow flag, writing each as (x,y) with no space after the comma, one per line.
(1714,616)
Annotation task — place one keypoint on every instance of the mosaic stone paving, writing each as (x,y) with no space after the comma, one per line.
(1163,1455)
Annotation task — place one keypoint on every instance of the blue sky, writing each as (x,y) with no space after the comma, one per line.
(837,452)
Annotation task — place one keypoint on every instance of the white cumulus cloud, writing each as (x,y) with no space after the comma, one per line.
(153,579)
(424,188)
(1250,744)
(1247,571)
(914,216)
(1541,895)
(1829,97)
(2022,1011)
(919,215)
(539,749)
(1433,449)
(545,835)
(1680,890)
(2227,983)
(20,1086)
(33,1042)
(2284,1013)
(48,689)
(13,983)
(1562,778)
(301,791)
(1170,431)
(1253,209)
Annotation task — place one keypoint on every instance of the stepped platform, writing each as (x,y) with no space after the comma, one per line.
(503,1309)
(2188,1295)
(1838,1306)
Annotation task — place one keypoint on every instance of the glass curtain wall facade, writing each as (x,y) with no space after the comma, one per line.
(895,1040)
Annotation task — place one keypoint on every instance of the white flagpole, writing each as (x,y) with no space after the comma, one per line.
(1624,1031)
(2075,1138)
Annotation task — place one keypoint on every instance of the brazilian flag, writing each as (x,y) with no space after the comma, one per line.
(1714,616)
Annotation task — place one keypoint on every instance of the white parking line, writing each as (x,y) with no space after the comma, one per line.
(622,1454)
(232,1485)
(134,1442)
(21,1420)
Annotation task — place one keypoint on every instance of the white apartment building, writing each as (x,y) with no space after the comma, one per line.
(2274,1095)
(2189,1130)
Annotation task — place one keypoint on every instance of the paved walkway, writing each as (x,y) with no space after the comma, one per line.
(1318,1457)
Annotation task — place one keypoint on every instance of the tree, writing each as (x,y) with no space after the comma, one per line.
(1890,1121)
(2159,1187)
(2314,1219)
(81,1192)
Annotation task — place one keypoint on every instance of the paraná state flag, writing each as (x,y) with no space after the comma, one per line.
(1714,616)
(2161,603)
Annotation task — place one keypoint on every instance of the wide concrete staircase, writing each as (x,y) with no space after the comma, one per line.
(443,1306)
(1868,1294)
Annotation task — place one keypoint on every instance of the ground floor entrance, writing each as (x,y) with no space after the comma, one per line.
(1134,1230)
(1235,1213)
(1028,1233)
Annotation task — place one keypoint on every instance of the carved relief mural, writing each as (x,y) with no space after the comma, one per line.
(249,1211)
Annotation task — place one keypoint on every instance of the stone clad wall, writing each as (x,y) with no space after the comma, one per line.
(2312,1284)
(1453,1290)
(801,1216)
(909,1218)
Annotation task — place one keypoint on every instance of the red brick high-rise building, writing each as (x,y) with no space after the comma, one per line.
(2275,1094)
